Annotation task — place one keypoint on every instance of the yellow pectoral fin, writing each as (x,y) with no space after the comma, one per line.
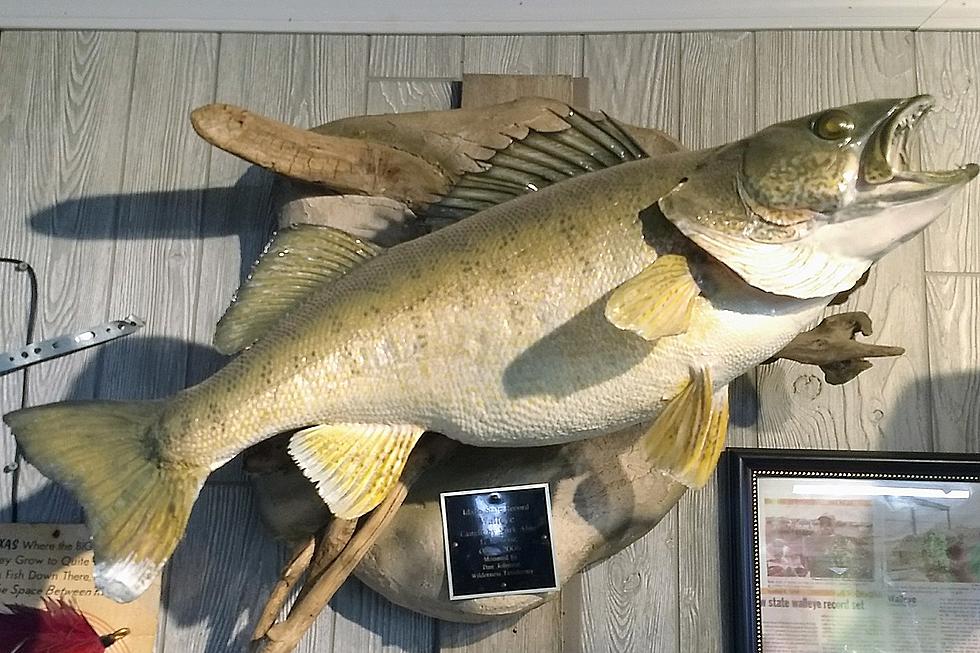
(657,302)
(689,435)
(354,466)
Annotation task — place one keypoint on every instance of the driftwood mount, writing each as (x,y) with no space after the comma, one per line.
(605,494)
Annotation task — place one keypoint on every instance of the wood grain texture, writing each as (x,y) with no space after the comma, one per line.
(523,55)
(215,581)
(13,331)
(155,265)
(535,631)
(64,146)
(364,621)
(635,78)
(715,70)
(157,261)
(947,64)
(954,356)
(481,90)
(629,602)
(414,73)
(392,96)
(343,163)
(416,56)
(886,407)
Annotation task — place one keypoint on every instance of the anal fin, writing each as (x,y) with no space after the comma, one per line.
(354,466)
(657,302)
(689,435)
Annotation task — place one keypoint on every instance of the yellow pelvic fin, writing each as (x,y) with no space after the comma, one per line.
(354,466)
(657,302)
(296,263)
(689,435)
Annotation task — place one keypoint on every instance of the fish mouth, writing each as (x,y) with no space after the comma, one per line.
(890,159)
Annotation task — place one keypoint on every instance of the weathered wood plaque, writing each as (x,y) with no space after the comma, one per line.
(54,561)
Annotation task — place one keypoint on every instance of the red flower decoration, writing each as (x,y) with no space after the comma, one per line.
(59,627)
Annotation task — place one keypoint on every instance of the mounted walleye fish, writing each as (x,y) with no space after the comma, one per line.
(595,303)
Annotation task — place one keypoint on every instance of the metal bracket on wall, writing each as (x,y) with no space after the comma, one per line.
(62,345)
(37,352)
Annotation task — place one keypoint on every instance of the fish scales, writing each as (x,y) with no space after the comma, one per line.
(490,331)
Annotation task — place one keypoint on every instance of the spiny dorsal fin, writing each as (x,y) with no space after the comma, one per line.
(657,302)
(354,466)
(295,264)
(536,160)
(689,435)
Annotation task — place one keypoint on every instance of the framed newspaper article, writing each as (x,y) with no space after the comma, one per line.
(854,551)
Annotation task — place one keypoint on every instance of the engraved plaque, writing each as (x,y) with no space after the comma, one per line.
(498,541)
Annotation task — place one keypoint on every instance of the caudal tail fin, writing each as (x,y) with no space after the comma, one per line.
(136,505)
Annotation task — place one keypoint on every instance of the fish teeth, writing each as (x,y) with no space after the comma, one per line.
(901,136)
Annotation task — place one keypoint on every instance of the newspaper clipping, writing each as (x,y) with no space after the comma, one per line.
(869,566)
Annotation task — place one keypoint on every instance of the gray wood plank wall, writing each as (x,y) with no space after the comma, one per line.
(110,195)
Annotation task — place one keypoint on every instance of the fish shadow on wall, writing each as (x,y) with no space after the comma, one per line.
(226,563)
(246,210)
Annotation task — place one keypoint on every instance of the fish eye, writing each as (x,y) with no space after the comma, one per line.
(833,125)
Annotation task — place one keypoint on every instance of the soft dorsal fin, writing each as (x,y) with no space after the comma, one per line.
(657,302)
(537,159)
(295,264)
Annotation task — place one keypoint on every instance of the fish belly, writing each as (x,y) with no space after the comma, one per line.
(582,379)
(541,398)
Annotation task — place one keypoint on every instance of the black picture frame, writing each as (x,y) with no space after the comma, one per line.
(740,471)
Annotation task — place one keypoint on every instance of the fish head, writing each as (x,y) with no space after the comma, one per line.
(804,207)
(847,164)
